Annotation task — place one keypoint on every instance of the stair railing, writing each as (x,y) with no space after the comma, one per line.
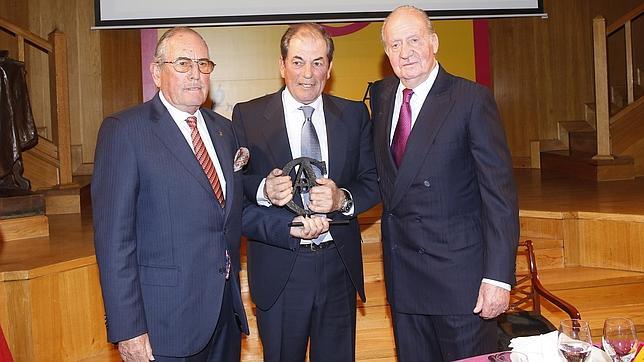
(600,35)
(56,49)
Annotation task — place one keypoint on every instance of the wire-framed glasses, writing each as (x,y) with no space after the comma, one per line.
(184,65)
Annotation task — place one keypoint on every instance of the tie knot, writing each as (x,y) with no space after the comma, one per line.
(308,112)
(407,93)
(192,122)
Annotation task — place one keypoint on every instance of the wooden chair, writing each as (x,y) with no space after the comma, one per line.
(523,317)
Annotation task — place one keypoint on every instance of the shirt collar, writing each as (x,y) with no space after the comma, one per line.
(175,113)
(422,90)
(291,104)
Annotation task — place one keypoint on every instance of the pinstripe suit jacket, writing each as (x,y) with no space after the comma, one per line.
(450,215)
(160,234)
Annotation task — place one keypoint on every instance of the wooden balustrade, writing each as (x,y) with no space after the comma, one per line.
(601,90)
(56,49)
(600,34)
(625,21)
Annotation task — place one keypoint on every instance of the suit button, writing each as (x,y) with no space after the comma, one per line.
(421,251)
(426,183)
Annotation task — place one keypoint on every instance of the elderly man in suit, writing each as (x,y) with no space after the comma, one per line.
(450,219)
(305,288)
(167,204)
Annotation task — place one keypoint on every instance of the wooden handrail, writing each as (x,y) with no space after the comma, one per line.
(635,12)
(600,34)
(56,49)
(625,21)
(28,36)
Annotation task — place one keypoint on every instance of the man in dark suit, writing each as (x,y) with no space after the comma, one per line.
(167,204)
(305,289)
(450,219)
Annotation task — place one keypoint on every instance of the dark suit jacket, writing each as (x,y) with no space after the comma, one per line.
(450,214)
(160,234)
(261,127)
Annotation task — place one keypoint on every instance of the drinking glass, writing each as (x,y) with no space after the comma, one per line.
(620,339)
(574,340)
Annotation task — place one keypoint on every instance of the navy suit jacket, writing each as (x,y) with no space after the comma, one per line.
(261,127)
(450,215)
(160,234)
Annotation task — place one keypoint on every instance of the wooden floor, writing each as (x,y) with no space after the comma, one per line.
(561,193)
(597,292)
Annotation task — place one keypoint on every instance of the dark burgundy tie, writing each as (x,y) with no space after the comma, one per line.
(205,161)
(403,128)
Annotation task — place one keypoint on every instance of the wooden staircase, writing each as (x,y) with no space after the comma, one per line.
(609,143)
(48,165)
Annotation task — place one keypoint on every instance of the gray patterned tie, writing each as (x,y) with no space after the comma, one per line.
(310,147)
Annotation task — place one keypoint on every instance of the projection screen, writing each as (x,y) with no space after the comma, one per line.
(166,13)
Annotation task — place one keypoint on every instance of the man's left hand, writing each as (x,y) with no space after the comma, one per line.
(492,301)
(326,197)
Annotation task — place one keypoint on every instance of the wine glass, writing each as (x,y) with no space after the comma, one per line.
(574,341)
(620,339)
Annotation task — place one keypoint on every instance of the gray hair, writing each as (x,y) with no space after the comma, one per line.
(162,45)
(410,8)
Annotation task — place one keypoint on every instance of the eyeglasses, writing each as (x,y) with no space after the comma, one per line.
(184,65)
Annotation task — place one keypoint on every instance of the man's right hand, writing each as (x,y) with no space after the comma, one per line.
(311,227)
(278,188)
(137,349)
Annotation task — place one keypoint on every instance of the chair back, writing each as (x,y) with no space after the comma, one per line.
(528,290)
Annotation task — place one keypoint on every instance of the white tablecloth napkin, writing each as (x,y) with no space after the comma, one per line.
(543,348)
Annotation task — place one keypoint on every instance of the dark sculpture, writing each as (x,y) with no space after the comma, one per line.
(17,127)
(304,180)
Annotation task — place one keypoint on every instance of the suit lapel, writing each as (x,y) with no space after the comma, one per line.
(220,139)
(382,132)
(274,131)
(429,121)
(167,131)
(336,136)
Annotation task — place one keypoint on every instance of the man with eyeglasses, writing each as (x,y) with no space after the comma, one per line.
(167,202)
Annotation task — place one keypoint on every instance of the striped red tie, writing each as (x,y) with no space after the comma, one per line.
(205,161)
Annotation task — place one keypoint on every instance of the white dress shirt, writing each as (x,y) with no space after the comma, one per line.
(294,119)
(416,102)
(179,118)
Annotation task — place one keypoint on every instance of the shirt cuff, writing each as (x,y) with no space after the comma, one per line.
(261,199)
(352,209)
(497,283)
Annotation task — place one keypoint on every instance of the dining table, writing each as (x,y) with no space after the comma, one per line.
(490,357)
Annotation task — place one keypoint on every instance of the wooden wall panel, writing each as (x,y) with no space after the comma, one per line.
(611,244)
(54,317)
(541,71)
(93,56)
(120,70)
(16,12)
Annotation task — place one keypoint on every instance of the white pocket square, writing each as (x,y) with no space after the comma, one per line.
(241,158)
